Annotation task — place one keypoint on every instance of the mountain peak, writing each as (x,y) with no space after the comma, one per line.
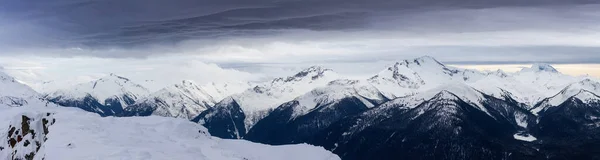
(313,69)
(500,73)
(188,83)
(420,61)
(115,77)
(314,72)
(426,59)
(540,67)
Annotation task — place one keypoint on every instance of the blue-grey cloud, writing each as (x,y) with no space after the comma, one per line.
(243,33)
(126,23)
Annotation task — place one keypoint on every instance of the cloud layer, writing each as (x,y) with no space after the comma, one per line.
(208,40)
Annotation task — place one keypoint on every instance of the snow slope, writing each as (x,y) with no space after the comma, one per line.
(76,135)
(185,100)
(502,85)
(220,90)
(16,94)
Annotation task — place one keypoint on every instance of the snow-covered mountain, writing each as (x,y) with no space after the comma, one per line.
(545,79)
(106,96)
(185,100)
(506,86)
(60,133)
(453,120)
(437,111)
(409,77)
(16,94)
(581,89)
(257,102)
(417,109)
(570,123)
(298,120)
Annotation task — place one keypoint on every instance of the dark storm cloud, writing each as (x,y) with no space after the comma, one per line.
(132,22)
(142,28)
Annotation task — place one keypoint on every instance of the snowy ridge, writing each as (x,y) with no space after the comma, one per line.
(501,85)
(587,97)
(75,134)
(446,93)
(574,89)
(451,90)
(108,87)
(15,94)
(336,91)
(412,76)
(585,90)
(185,100)
(257,102)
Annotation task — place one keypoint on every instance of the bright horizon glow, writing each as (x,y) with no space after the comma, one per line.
(568,69)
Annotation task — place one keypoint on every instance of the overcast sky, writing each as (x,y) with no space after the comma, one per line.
(73,41)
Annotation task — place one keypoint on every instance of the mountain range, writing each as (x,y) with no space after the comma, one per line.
(33,128)
(415,109)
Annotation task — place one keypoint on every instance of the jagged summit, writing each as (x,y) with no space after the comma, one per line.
(314,72)
(314,69)
(421,61)
(188,83)
(412,76)
(500,73)
(113,76)
(540,67)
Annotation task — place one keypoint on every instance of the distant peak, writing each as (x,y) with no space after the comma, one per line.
(499,73)
(425,60)
(315,69)
(540,67)
(188,83)
(112,75)
(314,72)
(587,81)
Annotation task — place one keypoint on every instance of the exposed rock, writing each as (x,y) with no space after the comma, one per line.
(22,142)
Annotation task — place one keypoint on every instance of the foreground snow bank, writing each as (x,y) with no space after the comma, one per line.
(78,135)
